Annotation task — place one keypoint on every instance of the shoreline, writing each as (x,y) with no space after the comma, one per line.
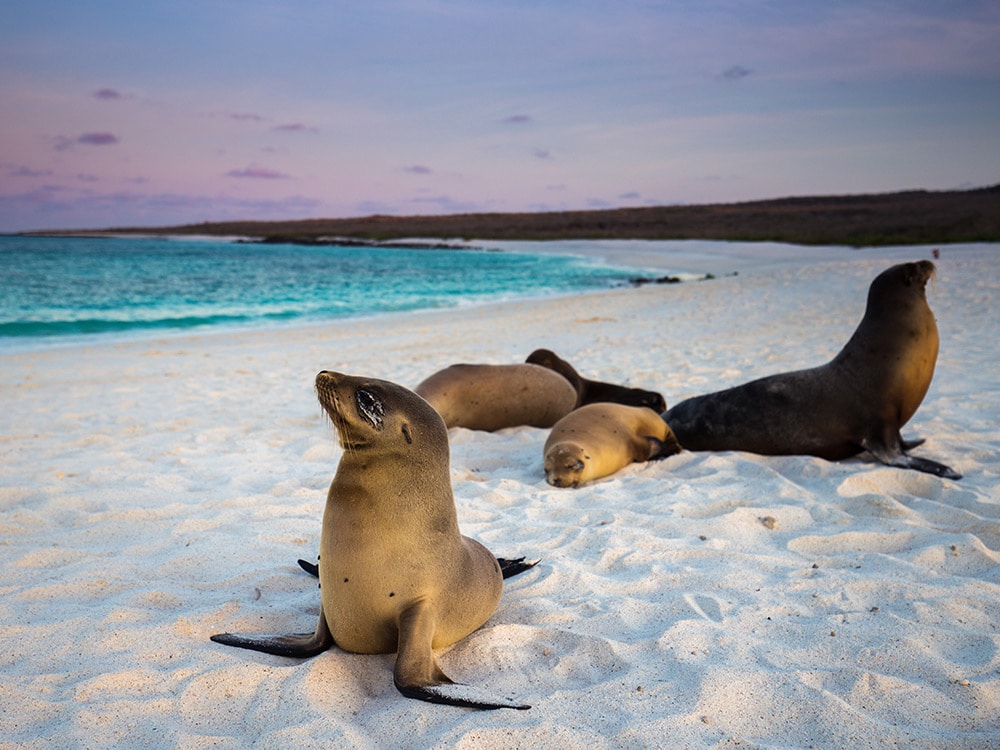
(687,260)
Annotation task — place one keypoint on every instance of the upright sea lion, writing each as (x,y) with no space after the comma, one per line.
(593,391)
(396,573)
(491,397)
(599,439)
(856,402)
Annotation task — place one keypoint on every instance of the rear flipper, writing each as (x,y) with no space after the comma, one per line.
(510,568)
(659,449)
(310,568)
(301,646)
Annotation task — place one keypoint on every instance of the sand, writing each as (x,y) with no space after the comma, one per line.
(157,491)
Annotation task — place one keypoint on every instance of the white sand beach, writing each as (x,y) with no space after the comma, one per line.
(157,491)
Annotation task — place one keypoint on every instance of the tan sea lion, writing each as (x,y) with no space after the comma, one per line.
(856,402)
(599,439)
(594,391)
(396,573)
(491,397)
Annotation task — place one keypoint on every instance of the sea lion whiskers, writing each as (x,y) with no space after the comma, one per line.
(333,409)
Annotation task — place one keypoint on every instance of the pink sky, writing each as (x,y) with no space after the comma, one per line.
(163,113)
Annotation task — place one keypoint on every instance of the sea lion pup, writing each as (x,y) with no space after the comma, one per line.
(856,402)
(599,439)
(396,573)
(491,397)
(593,391)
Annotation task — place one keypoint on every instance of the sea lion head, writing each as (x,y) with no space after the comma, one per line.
(552,361)
(369,413)
(902,280)
(565,464)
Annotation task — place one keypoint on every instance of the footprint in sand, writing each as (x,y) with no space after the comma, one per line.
(707,606)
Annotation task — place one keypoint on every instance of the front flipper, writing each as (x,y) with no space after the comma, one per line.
(895,455)
(301,646)
(417,674)
(510,568)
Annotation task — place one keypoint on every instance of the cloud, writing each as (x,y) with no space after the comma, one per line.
(109,94)
(629,196)
(83,177)
(245,117)
(98,139)
(542,153)
(735,73)
(257,173)
(294,127)
(418,169)
(63,143)
(517,120)
(22,171)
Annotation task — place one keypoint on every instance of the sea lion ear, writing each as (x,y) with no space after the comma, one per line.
(406,433)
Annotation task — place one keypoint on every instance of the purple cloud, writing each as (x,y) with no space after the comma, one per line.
(517,120)
(29,172)
(629,196)
(542,153)
(245,117)
(417,169)
(257,173)
(82,177)
(109,94)
(62,143)
(736,73)
(98,139)
(294,127)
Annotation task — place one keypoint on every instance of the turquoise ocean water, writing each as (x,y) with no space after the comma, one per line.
(54,288)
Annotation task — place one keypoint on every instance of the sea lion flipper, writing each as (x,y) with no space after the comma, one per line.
(926,465)
(310,568)
(896,456)
(510,568)
(659,449)
(417,674)
(300,646)
(466,696)
(911,444)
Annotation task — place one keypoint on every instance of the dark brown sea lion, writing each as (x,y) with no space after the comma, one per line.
(857,402)
(594,391)
(396,573)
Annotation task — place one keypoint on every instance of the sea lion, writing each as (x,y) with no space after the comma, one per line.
(396,573)
(593,391)
(856,402)
(491,397)
(599,439)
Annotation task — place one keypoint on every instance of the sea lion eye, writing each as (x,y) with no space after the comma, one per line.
(370,407)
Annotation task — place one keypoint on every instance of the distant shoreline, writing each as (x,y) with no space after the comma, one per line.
(915,217)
